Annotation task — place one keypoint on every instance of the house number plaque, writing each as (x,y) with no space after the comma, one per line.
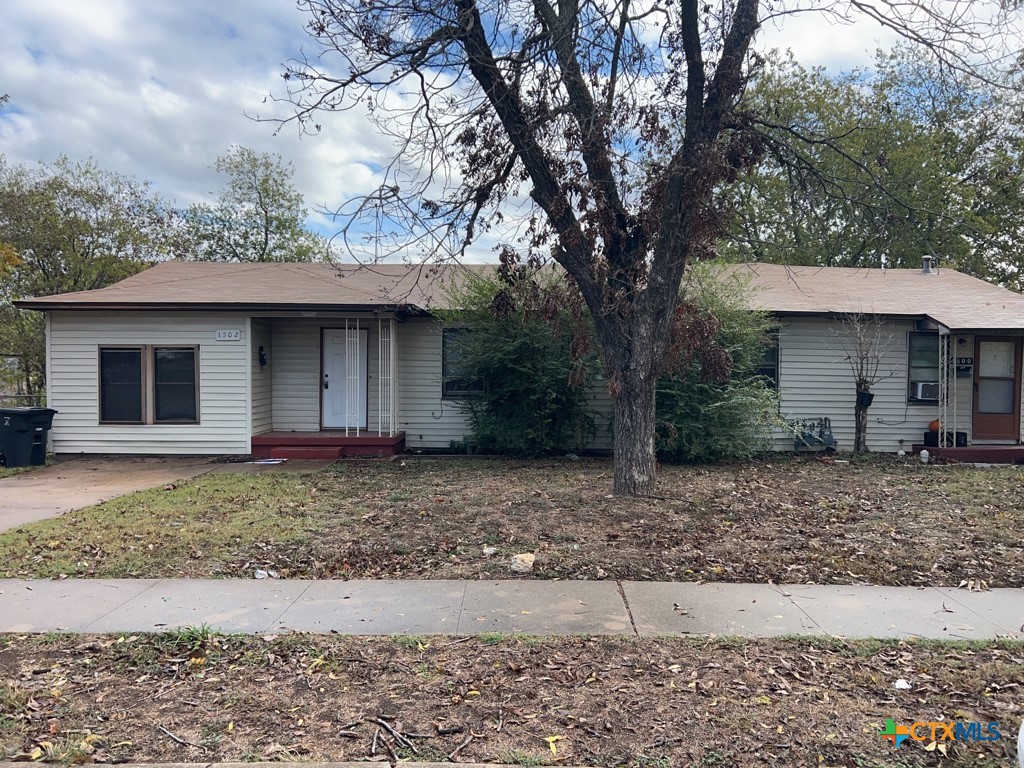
(229,334)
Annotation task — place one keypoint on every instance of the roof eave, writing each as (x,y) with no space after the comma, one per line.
(177,306)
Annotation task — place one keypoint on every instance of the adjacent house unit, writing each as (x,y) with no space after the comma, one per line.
(308,360)
(949,349)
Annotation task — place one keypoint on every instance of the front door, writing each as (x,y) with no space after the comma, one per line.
(996,389)
(343,379)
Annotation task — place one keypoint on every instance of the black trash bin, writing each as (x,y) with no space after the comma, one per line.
(23,433)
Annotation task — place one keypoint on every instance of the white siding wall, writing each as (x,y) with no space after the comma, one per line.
(815,380)
(262,377)
(73,383)
(428,420)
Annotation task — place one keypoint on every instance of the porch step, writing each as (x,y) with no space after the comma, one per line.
(982,454)
(307,452)
(325,445)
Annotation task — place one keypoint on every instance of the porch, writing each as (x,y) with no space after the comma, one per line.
(976,454)
(979,398)
(325,387)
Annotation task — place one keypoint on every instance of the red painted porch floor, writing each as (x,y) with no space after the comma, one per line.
(327,444)
(981,454)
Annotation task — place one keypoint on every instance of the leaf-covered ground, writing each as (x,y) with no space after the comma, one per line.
(873,521)
(192,697)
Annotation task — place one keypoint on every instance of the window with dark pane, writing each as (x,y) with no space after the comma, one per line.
(174,384)
(923,367)
(768,369)
(121,385)
(455,382)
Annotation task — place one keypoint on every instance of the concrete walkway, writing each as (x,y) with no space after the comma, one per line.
(641,609)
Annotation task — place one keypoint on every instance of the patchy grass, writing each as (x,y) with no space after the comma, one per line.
(179,530)
(879,521)
(610,701)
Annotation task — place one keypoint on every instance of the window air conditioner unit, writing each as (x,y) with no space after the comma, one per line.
(926,390)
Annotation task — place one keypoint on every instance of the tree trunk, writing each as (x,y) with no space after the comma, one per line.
(860,440)
(635,464)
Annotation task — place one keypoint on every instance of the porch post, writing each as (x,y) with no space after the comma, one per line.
(386,357)
(393,370)
(945,350)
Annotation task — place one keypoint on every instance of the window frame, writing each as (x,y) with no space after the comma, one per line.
(141,349)
(911,400)
(448,392)
(148,383)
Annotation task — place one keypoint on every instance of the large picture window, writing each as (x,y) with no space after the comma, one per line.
(923,367)
(149,385)
(455,383)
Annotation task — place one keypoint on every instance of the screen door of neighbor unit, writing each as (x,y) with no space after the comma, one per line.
(996,389)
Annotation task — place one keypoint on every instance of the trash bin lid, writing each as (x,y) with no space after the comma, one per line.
(25,410)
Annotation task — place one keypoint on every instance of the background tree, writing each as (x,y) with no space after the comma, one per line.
(620,121)
(69,226)
(901,161)
(258,215)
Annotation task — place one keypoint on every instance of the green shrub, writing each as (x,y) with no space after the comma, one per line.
(701,420)
(525,342)
(534,398)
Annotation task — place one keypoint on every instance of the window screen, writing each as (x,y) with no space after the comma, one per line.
(174,384)
(455,383)
(121,385)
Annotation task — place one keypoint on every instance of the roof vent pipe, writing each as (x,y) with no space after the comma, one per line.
(926,265)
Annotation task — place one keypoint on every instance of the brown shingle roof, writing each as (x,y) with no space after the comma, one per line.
(202,285)
(955,300)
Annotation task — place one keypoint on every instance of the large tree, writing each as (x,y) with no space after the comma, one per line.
(620,120)
(900,160)
(68,226)
(259,215)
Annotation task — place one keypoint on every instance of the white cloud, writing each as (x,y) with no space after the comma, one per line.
(158,90)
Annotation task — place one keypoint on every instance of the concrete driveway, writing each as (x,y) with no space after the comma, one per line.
(81,482)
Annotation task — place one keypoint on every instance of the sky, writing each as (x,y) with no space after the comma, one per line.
(157,89)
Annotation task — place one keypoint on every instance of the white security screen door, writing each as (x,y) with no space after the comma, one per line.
(343,382)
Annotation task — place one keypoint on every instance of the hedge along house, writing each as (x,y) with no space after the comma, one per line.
(301,360)
(949,350)
(277,360)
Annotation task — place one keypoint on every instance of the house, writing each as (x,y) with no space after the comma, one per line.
(949,350)
(309,360)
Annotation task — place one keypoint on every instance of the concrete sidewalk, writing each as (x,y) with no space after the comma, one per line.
(643,609)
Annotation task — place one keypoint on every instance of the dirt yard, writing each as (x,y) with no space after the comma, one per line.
(194,697)
(874,521)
